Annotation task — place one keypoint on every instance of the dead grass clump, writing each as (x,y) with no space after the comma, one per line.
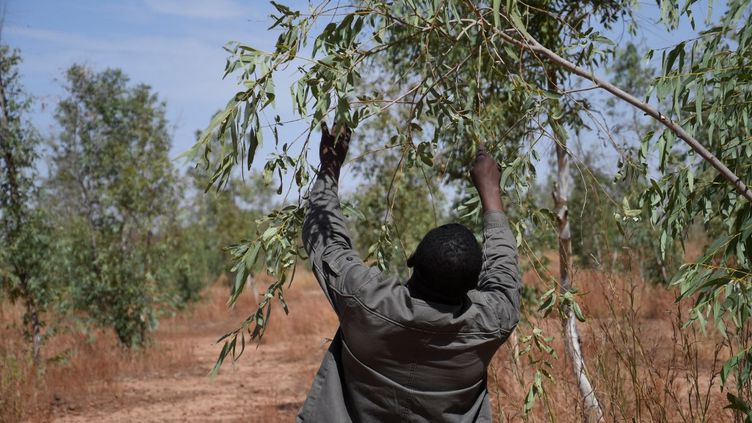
(600,290)
(19,382)
(644,364)
(78,370)
(97,365)
(653,368)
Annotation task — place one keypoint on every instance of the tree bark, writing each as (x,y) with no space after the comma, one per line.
(35,330)
(592,408)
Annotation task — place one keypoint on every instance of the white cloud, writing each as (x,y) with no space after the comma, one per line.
(214,9)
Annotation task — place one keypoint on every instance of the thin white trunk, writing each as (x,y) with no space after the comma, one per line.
(36,333)
(592,409)
(34,325)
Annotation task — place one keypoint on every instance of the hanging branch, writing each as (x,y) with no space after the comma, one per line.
(534,46)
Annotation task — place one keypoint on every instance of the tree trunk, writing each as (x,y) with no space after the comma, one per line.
(15,218)
(35,330)
(592,408)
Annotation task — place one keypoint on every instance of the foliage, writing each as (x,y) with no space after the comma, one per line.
(107,236)
(113,186)
(535,346)
(398,199)
(219,216)
(470,72)
(455,79)
(608,233)
(706,83)
(25,238)
(406,209)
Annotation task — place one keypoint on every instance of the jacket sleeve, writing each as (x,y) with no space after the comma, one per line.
(336,265)
(499,281)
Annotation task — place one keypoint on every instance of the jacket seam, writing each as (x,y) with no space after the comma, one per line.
(345,272)
(402,325)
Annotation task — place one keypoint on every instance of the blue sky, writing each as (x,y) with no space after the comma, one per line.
(176,47)
(173,45)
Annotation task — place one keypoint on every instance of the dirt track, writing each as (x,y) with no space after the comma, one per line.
(267,384)
(169,382)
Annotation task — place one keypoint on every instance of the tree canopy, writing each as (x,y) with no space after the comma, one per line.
(514,75)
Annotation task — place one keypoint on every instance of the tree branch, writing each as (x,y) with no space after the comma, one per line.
(533,45)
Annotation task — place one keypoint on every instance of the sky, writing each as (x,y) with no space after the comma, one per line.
(175,46)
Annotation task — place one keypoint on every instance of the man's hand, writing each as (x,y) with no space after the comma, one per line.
(333,149)
(486,178)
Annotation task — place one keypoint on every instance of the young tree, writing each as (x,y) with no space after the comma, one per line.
(220,216)
(114,186)
(24,235)
(457,80)
(509,75)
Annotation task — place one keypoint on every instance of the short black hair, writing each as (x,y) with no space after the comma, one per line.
(447,262)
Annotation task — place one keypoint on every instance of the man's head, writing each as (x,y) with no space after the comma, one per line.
(446,263)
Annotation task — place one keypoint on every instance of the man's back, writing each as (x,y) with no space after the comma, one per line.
(424,362)
(399,357)
(396,357)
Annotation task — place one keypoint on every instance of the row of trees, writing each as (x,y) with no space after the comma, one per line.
(518,75)
(96,222)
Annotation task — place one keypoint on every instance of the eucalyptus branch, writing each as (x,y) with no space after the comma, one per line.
(533,45)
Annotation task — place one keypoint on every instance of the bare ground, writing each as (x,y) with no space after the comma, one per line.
(267,384)
(643,366)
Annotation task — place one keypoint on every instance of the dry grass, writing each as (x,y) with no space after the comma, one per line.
(80,371)
(18,382)
(643,365)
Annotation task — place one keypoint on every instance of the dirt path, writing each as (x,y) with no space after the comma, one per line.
(169,383)
(267,384)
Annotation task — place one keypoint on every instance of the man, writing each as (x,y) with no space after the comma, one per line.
(415,351)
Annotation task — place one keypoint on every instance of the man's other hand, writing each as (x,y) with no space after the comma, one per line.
(333,148)
(486,178)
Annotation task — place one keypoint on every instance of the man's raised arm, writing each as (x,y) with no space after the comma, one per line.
(325,235)
(499,278)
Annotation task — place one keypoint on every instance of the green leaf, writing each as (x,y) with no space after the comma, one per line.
(602,39)
(578,312)
(281,8)
(529,400)
(517,22)
(269,233)
(738,404)
(496,16)
(729,365)
(672,55)
(547,302)
(222,354)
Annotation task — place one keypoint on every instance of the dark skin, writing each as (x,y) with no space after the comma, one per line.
(333,149)
(486,178)
(485,173)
